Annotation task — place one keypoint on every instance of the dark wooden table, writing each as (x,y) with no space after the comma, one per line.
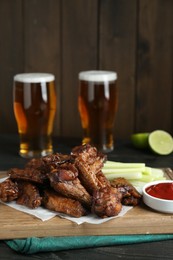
(123,152)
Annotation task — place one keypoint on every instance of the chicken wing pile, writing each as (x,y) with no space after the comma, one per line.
(72,184)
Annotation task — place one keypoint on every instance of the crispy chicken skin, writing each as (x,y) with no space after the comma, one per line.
(56,202)
(130,196)
(106,202)
(27,174)
(37,169)
(49,162)
(35,163)
(8,190)
(29,195)
(55,160)
(102,180)
(65,181)
(89,162)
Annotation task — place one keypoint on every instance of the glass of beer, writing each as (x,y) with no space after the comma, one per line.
(97,104)
(34,100)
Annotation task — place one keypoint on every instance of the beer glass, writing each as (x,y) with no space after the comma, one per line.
(97,104)
(34,109)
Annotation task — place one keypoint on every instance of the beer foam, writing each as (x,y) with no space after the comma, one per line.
(34,77)
(97,75)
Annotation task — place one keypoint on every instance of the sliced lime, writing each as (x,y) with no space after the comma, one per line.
(140,140)
(160,142)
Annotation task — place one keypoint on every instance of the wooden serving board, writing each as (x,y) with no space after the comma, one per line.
(139,220)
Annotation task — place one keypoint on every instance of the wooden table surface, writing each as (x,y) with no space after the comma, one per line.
(148,222)
(139,220)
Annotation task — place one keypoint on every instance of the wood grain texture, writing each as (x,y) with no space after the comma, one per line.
(117,52)
(11,53)
(79,50)
(143,251)
(154,104)
(139,220)
(42,36)
(134,38)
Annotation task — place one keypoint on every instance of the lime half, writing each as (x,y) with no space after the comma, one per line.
(140,140)
(160,142)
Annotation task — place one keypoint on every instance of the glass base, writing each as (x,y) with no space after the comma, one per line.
(35,154)
(107,149)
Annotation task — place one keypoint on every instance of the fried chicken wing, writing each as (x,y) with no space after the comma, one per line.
(56,202)
(89,162)
(8,190)
(130,201)
(106,202)
(37,169)
(27,174)
(47,163)
(65,181)
(103,182)
(130,196)
(35,163)
(69,183)
(29,195)
(55,160)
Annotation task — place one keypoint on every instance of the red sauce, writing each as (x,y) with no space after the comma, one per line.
(161,191)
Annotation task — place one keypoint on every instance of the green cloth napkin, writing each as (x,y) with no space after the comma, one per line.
(35,245)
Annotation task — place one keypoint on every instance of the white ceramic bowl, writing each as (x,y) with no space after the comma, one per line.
(162,205)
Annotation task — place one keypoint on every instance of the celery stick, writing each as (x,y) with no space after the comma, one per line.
(147,178)
(132,171)
(157,173)
(122,170)
(111,164)
(133,175)
(147,171)
(152,177)
(159,178)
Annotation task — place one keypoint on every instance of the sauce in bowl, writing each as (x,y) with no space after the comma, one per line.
(161,191)
(158,195)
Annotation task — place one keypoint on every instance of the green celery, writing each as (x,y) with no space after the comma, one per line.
(147,171)
(121,170)
(132,175)
(111,164)
(157,173)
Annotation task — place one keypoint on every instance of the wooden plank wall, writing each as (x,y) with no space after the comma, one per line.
(134,38)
